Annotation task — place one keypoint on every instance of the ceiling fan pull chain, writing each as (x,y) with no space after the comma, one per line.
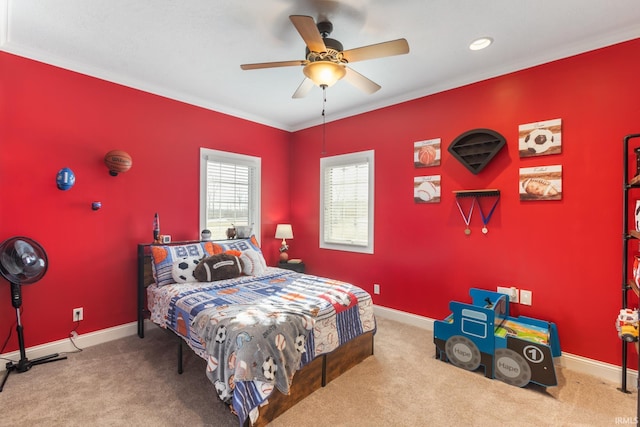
(324,119)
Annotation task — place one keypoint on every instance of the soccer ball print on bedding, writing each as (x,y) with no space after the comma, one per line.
(222,390)
(300,343)
(221,334)
(269,368)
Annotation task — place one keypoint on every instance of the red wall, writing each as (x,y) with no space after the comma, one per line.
(567,252)
(52,118)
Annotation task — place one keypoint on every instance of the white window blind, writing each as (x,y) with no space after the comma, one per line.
(347,202)
(231,192)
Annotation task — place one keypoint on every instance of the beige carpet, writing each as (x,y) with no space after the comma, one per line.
(133,382)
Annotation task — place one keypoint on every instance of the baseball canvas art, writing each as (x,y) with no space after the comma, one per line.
(426,189)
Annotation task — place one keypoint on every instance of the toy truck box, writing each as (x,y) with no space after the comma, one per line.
(514,350)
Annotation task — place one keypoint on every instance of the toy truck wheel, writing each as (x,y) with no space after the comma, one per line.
(462,352)
(511,368)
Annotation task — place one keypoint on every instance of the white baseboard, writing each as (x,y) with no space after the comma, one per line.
(602,370)
(82,341)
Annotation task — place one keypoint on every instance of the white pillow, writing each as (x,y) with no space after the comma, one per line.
(254,263)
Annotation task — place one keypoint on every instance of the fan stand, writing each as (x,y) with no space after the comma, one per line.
(24,364)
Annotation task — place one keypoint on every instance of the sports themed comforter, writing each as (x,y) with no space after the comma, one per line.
(256,331)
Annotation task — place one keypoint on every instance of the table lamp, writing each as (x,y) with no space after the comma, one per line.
(284,231)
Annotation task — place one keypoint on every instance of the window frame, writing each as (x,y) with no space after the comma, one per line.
(350,159)
(252,162)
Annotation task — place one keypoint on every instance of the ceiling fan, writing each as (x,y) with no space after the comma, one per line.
(326,61)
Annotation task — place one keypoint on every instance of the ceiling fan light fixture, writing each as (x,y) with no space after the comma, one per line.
(481,43)
(324,73)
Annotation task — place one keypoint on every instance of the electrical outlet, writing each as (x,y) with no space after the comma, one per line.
(376,289)
(512,292)
(513,296)
(78,314)
(525,297)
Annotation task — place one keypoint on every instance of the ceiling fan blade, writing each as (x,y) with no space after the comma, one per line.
(308,30)
(361,82)
(380,50)
(272,64)
(303,89)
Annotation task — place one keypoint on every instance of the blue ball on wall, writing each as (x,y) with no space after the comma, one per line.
(65,179)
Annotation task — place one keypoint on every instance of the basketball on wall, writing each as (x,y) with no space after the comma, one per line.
(117,161)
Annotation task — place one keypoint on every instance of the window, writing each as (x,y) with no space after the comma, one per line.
(346,202)
(229,192)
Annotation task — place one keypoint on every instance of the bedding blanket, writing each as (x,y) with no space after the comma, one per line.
(256,331)
(252,342)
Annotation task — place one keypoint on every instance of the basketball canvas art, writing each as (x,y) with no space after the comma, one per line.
(426,153)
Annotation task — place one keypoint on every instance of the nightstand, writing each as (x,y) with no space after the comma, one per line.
(295,266)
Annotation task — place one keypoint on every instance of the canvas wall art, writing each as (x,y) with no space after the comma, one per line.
(540,138)
(541,183)
(426,189)
(426,153)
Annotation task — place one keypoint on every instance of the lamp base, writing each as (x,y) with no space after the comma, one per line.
(284,256)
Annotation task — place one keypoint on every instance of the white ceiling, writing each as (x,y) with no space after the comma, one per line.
(191,50)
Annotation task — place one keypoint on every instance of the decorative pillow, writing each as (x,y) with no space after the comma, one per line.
(240,244)
(254,263)
(163,257)
(218,267)
(233,252)
(183,268)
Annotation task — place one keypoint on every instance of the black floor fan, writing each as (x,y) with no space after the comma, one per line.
(22,262)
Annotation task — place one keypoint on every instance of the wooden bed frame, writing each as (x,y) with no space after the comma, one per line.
(318,373)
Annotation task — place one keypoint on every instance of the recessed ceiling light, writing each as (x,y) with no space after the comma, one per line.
(480,43)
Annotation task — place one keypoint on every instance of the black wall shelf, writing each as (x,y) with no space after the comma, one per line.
(475,148)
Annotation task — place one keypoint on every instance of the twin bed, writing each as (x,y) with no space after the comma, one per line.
(270,336)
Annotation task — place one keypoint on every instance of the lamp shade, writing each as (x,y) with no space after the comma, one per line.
(284,231)
(324,73)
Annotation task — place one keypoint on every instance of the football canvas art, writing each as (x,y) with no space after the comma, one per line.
(541,183)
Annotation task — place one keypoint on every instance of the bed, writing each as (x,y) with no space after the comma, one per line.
(270,336)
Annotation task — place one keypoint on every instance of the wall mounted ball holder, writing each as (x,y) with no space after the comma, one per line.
(475,148)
